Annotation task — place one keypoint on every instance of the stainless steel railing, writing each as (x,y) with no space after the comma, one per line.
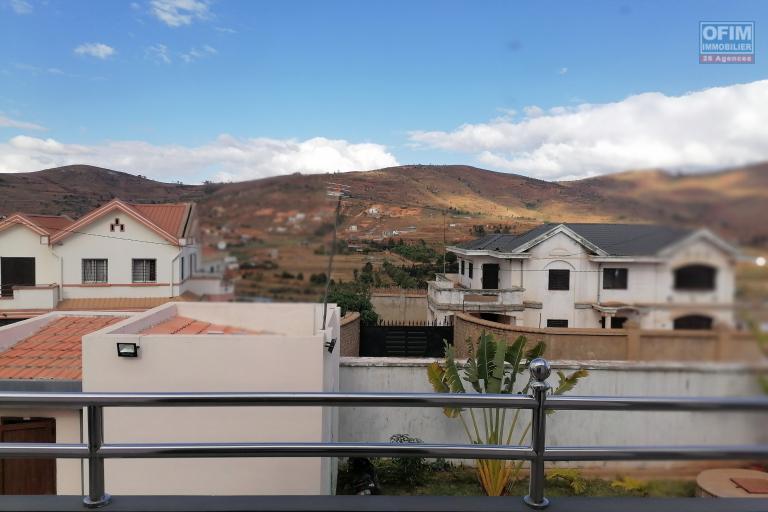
(96,451)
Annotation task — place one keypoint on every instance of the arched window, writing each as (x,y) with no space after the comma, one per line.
(695,277)
(697,322)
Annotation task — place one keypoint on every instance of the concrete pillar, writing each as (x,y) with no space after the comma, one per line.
(633,340)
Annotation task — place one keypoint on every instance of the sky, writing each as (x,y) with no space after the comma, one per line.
(228,90)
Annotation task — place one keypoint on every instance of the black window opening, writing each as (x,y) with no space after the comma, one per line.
(181,268)
(462,267)
(470,270)
(559,279)
(95,271)
(616,323)
(694,322)
(615,278)
(491,276)
(557,322)
(144,271)
(16,272)
(695,277)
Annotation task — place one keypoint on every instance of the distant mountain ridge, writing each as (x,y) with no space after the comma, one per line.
(732,201)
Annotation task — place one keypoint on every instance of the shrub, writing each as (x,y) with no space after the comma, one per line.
(409,470)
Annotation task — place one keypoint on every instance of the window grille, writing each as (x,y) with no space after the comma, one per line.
(95,271)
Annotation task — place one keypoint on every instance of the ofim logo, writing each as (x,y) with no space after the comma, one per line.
(727,42)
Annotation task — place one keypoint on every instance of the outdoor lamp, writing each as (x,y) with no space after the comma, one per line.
(127,349)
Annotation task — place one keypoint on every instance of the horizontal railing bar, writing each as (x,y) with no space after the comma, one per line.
(266,399)
(454,451)
(592,453)
(641,403)
(559,402)
(43,450)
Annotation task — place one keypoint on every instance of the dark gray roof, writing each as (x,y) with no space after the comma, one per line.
(615,239)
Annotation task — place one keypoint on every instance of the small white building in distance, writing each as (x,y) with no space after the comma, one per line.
(592,276)
(117,257)
(182,347)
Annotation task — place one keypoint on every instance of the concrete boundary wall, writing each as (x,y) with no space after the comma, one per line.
(350,334)
(630,344)
(573,428)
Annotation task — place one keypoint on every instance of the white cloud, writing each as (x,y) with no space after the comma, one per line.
(717,127)
(176,13)
(98,50)
(20,6)
(196,54)
(7,122)
(159,53)
(226,158)
(562,71)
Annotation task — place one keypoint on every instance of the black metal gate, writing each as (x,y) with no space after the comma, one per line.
(405,339)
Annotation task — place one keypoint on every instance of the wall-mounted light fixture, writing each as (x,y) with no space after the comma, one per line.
(127,350)
(330,344)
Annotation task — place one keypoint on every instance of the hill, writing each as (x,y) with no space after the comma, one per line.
(75,189)
(409,200)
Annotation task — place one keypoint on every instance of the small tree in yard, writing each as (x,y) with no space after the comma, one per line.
(353,296)
(492,368)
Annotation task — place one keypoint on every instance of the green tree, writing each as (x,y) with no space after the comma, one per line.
(353,296)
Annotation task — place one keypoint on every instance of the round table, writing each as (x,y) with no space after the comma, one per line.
(717,483)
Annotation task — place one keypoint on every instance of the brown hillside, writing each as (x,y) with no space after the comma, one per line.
(732,202)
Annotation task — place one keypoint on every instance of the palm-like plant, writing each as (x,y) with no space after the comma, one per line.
(492,368)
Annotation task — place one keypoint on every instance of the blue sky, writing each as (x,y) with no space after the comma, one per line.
(193,89)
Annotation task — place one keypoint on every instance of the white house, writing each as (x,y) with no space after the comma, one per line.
(118,251)
(592,276)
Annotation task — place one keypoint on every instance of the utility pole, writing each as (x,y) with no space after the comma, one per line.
(444,241)
(340,191)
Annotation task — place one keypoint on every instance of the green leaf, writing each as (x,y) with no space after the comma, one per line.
(484,356)
(471,374)
(533,353)
(567,383)
(497,373)
(435,374)
(513,356)
(452,377)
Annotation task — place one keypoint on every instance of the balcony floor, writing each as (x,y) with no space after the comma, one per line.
(381,504)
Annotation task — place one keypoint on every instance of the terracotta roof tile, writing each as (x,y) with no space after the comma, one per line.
(121,303)
(184,325)
(54,352)
(171,217)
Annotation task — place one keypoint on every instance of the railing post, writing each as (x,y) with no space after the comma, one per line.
(96,496)
(540,370)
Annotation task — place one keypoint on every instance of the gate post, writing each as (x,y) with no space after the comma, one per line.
(540,370)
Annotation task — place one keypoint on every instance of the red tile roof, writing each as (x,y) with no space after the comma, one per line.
(54,352)
(51,223)
(184,325)
(170,217)
(122,303)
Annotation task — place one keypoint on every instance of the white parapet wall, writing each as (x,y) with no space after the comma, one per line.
(573,428)
(285,351)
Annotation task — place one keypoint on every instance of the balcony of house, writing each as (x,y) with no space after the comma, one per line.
(213,286)
(446,291)
(16,298)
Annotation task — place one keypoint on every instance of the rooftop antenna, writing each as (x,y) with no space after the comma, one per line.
(339,191)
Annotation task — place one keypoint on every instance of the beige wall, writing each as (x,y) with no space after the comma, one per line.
(617,344)
(297,361)
(400,306)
